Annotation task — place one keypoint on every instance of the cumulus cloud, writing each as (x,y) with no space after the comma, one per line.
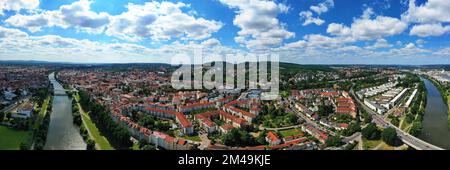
(432,11)
(425,30)
(211,42)
(322,7)
(258,21)
(366,28)
(160,21)
(76,15)
(16,44)
(7,33)
(309,19)
(155,20)
(17,5)
(380,43)
(307,16)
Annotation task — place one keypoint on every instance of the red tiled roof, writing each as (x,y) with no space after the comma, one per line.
(272,136)
(227,127)
(344,125)
(161,111)
(183,120)
(244,113)
(196,105)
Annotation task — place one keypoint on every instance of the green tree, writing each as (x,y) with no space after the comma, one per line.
(352,128)
(395,121)
(389,136)
(2,116)
(334,141)
(148,147)
(416,128)
(237,137)
(8,115)
(409,118)
(371,132)
(90,144)
(25,146)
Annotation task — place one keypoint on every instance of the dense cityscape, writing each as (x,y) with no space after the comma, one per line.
(135,107)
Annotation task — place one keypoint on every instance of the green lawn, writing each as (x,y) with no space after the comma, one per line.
(135,146)
(42,113)
(94,132)
(290,132)
(403,124)
(448,112)
(10,138)
(370,144)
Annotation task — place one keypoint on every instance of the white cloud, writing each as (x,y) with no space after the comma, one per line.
(258,21)
(17,5)
(8,32)
(443,52)
(410,50)
(380,43)
(322,7)
(309,19)
(307,16)
(211,42)
(425,30)
(432,11)
(160,21)
(366,28)
(76,15)
(18,45)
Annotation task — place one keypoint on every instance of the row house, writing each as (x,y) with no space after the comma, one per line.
(196,106)
(186,126)
(318,134)
(159,139)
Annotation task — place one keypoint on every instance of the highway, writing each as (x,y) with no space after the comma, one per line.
(408,139)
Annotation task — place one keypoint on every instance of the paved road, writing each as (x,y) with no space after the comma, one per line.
(408,139)
(205,141)
(281,128)
(355,137)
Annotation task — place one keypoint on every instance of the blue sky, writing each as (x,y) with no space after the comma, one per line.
(299,31)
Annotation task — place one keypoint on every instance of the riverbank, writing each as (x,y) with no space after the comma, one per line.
(435,121)
(445,96)
(88,129)
(62,133)
(101,142)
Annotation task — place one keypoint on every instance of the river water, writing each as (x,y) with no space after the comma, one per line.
(435,125)
(62,133)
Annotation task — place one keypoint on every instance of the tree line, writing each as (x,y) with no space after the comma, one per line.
(116,133)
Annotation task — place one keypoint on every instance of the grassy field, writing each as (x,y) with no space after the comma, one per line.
(95,134)
(370,144)
(448,112)
(403,124)
(10,138)
(42,113)
(290,132)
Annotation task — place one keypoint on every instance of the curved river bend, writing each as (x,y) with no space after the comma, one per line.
(62,133)
(435,125)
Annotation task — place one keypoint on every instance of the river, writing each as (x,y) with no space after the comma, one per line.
(62,133)
(435,125)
